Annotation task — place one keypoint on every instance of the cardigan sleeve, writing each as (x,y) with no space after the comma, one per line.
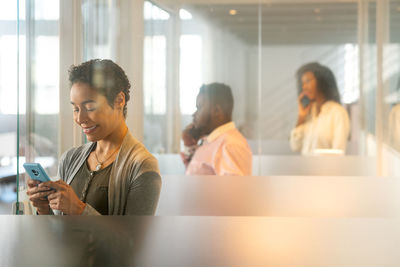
(143,194)
(61,166)
(89,210)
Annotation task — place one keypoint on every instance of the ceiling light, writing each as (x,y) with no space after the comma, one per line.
(233,12)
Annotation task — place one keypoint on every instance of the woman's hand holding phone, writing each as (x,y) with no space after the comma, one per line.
(56,195)
(303,110)
(38,196)
(63,198)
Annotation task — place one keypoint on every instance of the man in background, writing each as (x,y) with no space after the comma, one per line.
(213,145)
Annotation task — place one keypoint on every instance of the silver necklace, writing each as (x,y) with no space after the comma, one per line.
(100,163)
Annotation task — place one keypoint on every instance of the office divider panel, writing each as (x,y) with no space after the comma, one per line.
(199,241)
(292,196)
(289,165)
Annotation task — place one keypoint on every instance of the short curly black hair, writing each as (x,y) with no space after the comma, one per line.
(105,76)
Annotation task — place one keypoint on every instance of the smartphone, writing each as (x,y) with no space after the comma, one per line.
(36,172)
(305,101)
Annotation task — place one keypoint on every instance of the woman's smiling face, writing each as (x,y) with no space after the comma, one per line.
(93,113)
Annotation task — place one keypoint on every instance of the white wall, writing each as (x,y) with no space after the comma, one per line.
(225,61)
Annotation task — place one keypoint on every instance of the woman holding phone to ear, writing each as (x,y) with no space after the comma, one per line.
(322,121)
(113,174)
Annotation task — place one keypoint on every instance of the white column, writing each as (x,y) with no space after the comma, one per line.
(362,35)
(70,54)
(130,57)
(382,34)
(173,90)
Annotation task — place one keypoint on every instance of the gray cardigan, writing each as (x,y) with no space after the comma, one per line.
(135,182)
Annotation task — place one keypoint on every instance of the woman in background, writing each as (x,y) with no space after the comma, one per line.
(322,122)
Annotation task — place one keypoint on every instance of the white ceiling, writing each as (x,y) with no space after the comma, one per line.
(319,22)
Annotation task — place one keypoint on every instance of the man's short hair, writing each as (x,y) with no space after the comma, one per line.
(219,94)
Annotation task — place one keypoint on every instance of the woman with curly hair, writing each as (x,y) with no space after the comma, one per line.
(113,174)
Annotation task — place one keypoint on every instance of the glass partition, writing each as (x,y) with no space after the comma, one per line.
(219,45)
(391,77)
(248,46)
(254,47)
(39,118)
(389,37)
(100,29)
(42,85)
(368,76)
(9,101)
(295,34)
(156,73)
(29,87)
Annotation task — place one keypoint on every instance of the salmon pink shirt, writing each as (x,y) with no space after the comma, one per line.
(224,151)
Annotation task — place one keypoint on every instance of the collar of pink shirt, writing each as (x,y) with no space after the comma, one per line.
(220,131)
